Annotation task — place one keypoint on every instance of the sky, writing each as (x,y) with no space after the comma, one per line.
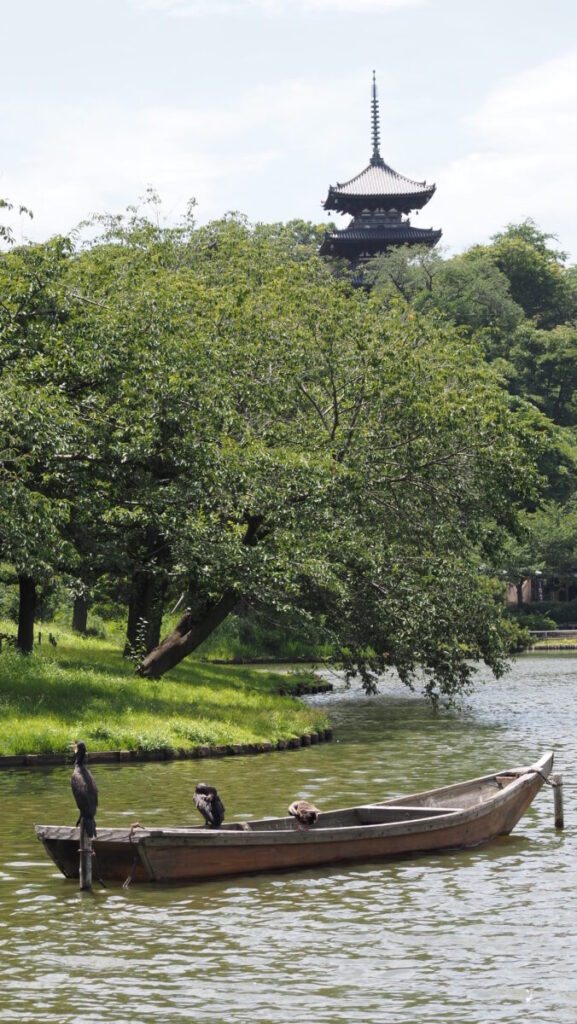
(258,106)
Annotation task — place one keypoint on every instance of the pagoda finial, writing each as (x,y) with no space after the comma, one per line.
(376,157)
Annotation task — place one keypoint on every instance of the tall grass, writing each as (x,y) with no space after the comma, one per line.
(84,689)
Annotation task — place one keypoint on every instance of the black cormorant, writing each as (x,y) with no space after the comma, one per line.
(305,813)
(208,802)
(84,790)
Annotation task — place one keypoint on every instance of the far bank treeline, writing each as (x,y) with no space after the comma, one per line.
(218,414)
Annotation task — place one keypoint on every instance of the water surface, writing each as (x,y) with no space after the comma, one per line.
(486,935)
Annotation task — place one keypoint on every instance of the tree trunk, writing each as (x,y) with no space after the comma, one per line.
(190,632)
(145,612)
(80,615)
(186,637)
(26,610)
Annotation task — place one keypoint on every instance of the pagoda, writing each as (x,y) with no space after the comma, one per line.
(377,199)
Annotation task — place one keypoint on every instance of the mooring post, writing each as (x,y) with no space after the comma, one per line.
(85,852)
(557,781)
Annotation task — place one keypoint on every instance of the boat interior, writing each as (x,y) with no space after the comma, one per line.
(450,800)
(370,814)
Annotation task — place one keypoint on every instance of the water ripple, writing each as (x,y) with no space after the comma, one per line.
(482,935)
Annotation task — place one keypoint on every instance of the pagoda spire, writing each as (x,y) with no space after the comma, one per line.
(378,200)
(376,159)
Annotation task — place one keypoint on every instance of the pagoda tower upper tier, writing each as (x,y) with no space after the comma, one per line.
(376,199)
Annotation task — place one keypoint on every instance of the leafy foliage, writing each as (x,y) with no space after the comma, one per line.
(213,411)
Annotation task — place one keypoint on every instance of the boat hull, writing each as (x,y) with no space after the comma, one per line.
(454,817)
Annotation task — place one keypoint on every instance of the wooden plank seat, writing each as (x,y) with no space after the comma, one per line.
(378,815)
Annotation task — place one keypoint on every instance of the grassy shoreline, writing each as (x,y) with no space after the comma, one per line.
(85,689)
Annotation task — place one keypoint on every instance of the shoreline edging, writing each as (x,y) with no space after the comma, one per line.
(167,753)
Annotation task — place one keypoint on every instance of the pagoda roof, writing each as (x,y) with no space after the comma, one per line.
(378,186)
(375,240)
(376,182)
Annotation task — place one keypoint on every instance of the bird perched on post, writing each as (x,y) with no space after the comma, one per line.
(305,813)
(84,790)
(208,802)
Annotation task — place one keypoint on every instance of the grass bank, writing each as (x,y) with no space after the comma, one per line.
(85,689)
(553,644)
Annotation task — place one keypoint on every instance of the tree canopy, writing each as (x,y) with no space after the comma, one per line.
(213,411)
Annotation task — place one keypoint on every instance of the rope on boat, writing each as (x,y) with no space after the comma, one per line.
(98,876)
(530,771)
(127,882)
(556,783)
(550,782)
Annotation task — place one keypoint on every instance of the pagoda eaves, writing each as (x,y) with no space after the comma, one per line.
(355,244)
(378,186)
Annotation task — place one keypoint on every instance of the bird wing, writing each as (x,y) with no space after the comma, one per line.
(85,791)
(218,810)
(203,803)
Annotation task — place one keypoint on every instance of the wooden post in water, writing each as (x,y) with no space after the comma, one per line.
(85,860)
(557,781)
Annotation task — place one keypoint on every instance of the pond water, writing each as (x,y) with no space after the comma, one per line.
(486,935)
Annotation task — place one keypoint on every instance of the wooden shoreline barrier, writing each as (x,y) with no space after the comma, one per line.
(168,753)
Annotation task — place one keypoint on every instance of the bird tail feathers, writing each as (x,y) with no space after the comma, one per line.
(89,825)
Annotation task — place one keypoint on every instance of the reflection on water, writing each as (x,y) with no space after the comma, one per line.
(479,936)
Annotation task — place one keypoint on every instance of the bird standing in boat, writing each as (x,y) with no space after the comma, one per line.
(208,802)
(84,790)
(305,813)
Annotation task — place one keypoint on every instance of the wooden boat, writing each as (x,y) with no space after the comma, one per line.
(456,816)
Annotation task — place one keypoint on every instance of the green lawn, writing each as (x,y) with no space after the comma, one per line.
(564,641)
(84,689)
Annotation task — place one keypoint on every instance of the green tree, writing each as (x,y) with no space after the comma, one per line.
(36,422)
(469,290)
(535,272)
(472,292)
(346,455)
(407,272)
(546,546)
(6,233)
(544,370)
(219,414)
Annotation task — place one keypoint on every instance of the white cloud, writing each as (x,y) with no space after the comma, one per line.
(523,159)
(249,154)
(536,108)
